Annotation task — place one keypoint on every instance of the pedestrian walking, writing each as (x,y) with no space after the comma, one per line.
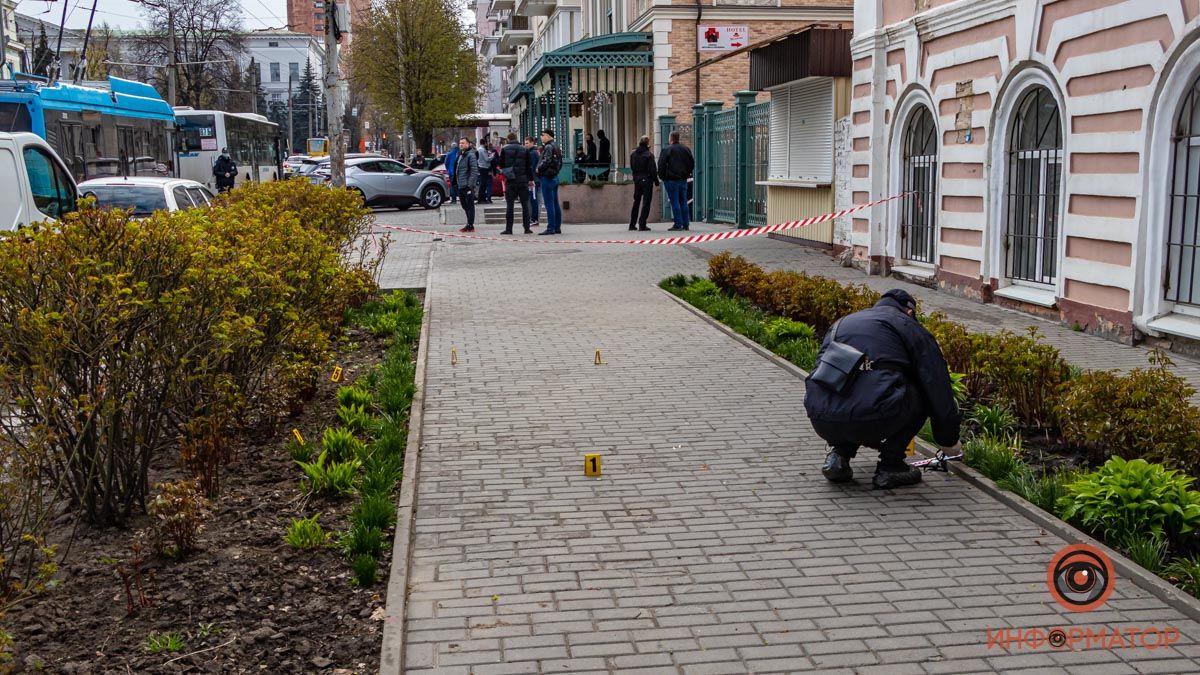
(451,161)
(879,375)
(675,166)
(466,177)
(590,141)
(514,162)
(225,171)
(645,177)
(547,172)
(484,156)
(418,160)
(534,158)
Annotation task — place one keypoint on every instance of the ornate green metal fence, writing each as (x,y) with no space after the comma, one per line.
(758,123)
(722,167)
(731,146)
(667,124)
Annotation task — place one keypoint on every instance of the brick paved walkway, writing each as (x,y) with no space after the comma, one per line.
(711,544)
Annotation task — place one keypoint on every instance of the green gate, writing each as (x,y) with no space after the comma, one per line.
(758,124)
(667,124)
(731,149)
(721,170)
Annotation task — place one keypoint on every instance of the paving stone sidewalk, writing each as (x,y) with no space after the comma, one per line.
(711,544)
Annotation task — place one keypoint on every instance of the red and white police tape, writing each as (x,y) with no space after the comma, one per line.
(666,241)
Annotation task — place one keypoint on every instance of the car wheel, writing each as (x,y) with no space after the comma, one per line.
(432,197)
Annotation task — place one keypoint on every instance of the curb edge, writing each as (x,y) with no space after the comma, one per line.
(391,656)
(1173,596)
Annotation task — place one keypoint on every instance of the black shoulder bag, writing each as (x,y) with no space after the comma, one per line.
(839,364)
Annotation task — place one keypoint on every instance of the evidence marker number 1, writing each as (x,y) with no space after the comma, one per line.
(591,465)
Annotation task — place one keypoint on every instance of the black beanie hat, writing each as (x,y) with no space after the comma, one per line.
(902,297)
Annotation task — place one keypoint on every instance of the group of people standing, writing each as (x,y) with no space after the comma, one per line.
(529,170)
(526,170)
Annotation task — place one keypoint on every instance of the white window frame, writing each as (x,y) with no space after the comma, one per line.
(787,163)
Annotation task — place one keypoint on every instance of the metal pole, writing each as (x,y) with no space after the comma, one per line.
(4,35)
(291,130)
(254,88)
(333,99)
(172,65)
(81,69)
(58,48)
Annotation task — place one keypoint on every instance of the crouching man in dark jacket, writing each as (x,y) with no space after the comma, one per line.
(902,381)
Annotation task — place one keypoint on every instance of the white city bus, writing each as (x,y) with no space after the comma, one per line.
(252,140)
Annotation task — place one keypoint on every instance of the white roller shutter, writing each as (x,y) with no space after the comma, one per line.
(802,131)
(777,167)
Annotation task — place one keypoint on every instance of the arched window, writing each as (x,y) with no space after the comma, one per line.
(918,215)
(1034,185)
(1182,274)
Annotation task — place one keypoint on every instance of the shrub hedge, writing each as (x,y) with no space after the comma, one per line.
(122,339)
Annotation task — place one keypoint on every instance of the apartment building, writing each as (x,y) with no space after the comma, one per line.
(1051,149)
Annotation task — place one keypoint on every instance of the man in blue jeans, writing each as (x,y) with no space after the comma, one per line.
(675,166)
(547,174)
(535,157)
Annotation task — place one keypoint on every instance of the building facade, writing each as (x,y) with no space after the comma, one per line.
(280,57)
(16,54)
(581,66)
(1051,151)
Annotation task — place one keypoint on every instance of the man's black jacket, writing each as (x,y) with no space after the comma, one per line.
(906,361)
(676,162)
(641,162)
(516,157)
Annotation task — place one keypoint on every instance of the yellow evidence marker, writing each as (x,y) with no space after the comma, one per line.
(599,361)
(337,374)
(299,438)
(591,465)
(912,448)
(453,356)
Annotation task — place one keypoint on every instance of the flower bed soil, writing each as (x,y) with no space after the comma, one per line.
(247,599)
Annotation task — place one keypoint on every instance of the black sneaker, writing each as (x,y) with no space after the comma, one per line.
(886,480)
(837,468)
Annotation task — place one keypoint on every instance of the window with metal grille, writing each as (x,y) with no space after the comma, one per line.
(918,213)
(1034,185)
(1181,278)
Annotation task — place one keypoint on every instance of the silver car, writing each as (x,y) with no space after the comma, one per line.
(385,182)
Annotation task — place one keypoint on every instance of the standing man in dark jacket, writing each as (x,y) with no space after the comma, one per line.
(514,161)
(902,381)
(534,159)
(675,166)
(591,149)
(547,172)
(225,171)
(466,178)
(418,160)
(644,179)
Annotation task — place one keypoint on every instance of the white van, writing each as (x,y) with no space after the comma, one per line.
(37,184)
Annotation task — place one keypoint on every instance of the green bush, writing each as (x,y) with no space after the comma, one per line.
(164,643)
(332,477)
(364,570)
(358,419)
(299,452)
(341,444)
(782,329)
(993,457)
(355,396)
(1022,372)
(803,353)
(377,511)
(1144,413)
(178,513)
(1041,489)
(1185,573)
(1123,498)
(1149,551)
(391,441)
(381,472)
(362,540)
(307,534)
(996,420)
